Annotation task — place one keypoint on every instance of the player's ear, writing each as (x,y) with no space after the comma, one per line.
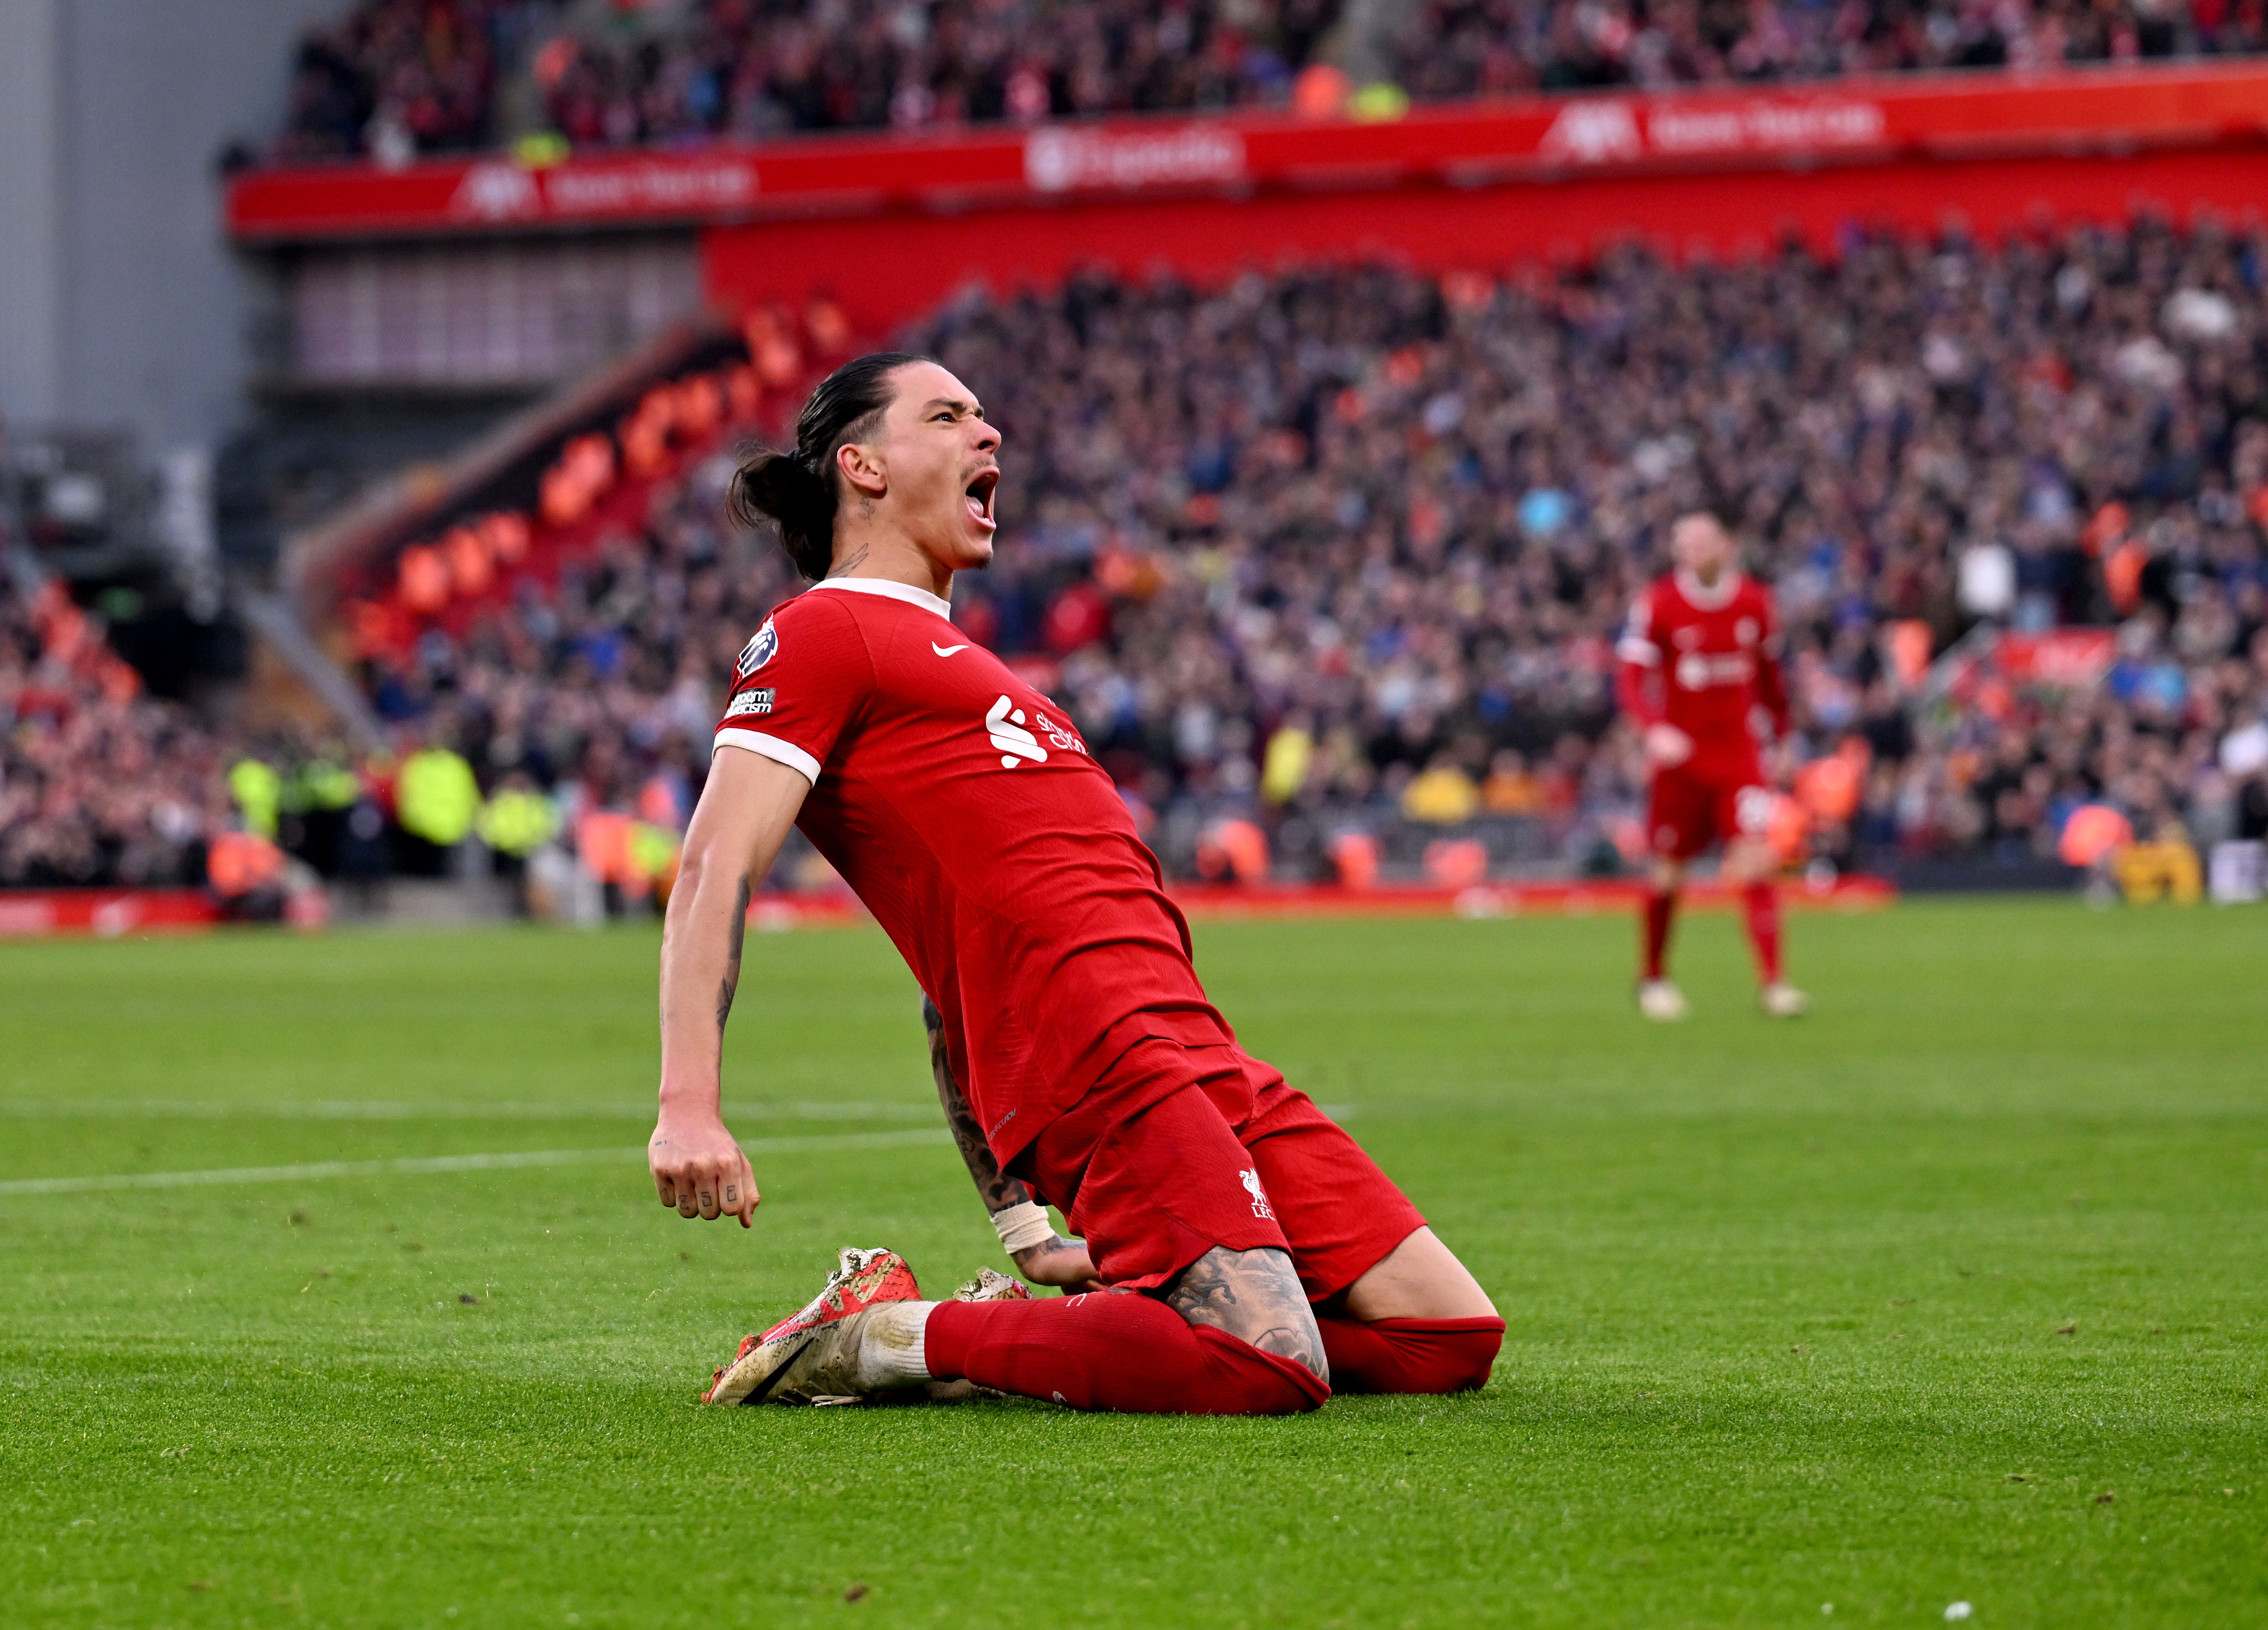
(864,468)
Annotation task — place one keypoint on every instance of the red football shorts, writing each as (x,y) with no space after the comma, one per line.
(1180,1148)
(1704,801)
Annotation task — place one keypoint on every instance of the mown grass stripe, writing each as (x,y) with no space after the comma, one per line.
(395,1110)
(424,1165)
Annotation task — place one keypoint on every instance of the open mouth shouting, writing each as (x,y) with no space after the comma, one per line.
(978,496)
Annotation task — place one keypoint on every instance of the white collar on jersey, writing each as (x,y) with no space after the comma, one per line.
(1708,598)
(888,590)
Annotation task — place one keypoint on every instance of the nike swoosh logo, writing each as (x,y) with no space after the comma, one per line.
(946,651)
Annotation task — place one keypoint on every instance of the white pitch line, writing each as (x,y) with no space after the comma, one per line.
(421,1165)
(402,1109)
(385,1109)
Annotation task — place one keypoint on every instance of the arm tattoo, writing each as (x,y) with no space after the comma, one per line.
(1032,1259)
(994,1187)
(1253,1296)
(732,979)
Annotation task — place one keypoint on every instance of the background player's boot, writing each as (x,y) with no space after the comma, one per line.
(1783,1001)
(1661,1000)
(790,1357)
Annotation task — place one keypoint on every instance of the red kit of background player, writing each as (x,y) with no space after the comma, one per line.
(1696,666)
(1700,659)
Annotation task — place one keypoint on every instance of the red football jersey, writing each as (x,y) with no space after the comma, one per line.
(965,811)
(1702,660)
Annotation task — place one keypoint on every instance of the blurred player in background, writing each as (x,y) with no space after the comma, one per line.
(1698,661)
(1254,1257)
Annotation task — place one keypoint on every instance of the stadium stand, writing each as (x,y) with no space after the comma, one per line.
(396,78)
(1476,48)
(1337,558)
(1328,563)
(393,76)
(100,784)
(1347,550)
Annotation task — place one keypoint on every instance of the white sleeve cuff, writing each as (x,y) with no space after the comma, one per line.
(1644,653)
(772,748)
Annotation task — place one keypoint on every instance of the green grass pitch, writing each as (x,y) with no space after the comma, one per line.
(1954,1292)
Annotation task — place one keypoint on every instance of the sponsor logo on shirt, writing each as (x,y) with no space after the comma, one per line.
(1251,1180)
(1015,734)
(1004,726)
(1062,737)
(758,651)
(750,702)
(1696,672)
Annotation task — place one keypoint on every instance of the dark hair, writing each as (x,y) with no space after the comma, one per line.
(797,490)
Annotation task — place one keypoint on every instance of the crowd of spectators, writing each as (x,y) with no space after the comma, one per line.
(103,784)
(1457,48)
(1352,546)
(395,78)
(1348,549)
(741,68)
(98,782)
(602,690)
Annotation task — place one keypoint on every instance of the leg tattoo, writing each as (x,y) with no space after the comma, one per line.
(1253,1296)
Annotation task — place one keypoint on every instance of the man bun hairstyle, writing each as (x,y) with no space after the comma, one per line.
(799,491)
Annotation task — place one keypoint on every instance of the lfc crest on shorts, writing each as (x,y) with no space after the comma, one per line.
(1259,1207)
(758,651)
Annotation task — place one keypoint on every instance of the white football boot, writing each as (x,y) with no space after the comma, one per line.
(1783,1001)
(860,1337)
(1661,1001)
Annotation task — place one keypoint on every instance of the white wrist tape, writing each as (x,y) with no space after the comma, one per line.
(1022,1227)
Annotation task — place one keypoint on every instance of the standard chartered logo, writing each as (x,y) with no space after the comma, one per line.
(1004,724)
(1015,734)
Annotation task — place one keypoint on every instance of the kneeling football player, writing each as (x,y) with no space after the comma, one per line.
(1255,1257)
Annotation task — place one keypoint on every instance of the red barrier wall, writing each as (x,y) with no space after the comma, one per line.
(951,171)
(890,222)
(1200,903)
(34,913)
(885,269)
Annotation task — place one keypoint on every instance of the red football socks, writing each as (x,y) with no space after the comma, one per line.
(1661,906)
(1410,1355)
(1112,1350)
(1762,904)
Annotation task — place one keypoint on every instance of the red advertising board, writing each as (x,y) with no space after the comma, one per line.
(774,913)
(2063,658)
(884,270)
(1851,121)
(107,913)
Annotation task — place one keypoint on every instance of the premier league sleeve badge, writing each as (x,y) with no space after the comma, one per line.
(757,652)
